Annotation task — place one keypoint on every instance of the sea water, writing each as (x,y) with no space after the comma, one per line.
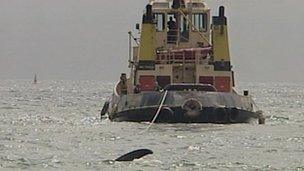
(55,125)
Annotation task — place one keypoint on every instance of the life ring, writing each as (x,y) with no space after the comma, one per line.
(192,105)
(193,108)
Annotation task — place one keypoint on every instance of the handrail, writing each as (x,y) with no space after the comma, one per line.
(135,39)
(131,63)
(173,59)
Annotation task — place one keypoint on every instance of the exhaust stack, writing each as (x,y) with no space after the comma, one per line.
(147,42)
(220,42)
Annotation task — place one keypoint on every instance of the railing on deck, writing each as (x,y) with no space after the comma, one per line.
(184,56)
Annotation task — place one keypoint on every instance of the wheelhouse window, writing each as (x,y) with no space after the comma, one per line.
(199,21)
(184,28)
(184,24)
(160,21)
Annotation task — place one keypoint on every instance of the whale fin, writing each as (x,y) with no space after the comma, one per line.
(137,154)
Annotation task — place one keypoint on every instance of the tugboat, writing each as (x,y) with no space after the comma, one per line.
(181,70)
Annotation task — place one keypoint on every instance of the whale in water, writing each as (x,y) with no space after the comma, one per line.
(136,154)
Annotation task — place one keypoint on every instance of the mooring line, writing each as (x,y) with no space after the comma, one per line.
(158,111)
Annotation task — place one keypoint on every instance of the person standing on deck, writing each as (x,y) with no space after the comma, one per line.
(123,84)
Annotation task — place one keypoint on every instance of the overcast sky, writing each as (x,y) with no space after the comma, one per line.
(87,39)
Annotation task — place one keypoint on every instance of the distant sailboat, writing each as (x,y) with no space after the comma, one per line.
(35,79)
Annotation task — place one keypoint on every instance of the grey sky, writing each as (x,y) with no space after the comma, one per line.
(87,39)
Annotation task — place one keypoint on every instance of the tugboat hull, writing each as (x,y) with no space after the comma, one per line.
(184,107)
(179,115)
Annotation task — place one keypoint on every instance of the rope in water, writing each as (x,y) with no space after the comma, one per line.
(158,111)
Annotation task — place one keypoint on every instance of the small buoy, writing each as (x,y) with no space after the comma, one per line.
(35,79)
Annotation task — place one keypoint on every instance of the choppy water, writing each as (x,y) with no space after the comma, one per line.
(55,125)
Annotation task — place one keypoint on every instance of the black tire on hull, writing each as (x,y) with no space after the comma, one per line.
(166,114)
(233,114)
(178,115)
(222,115)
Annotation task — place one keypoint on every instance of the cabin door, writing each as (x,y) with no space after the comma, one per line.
(184,74)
